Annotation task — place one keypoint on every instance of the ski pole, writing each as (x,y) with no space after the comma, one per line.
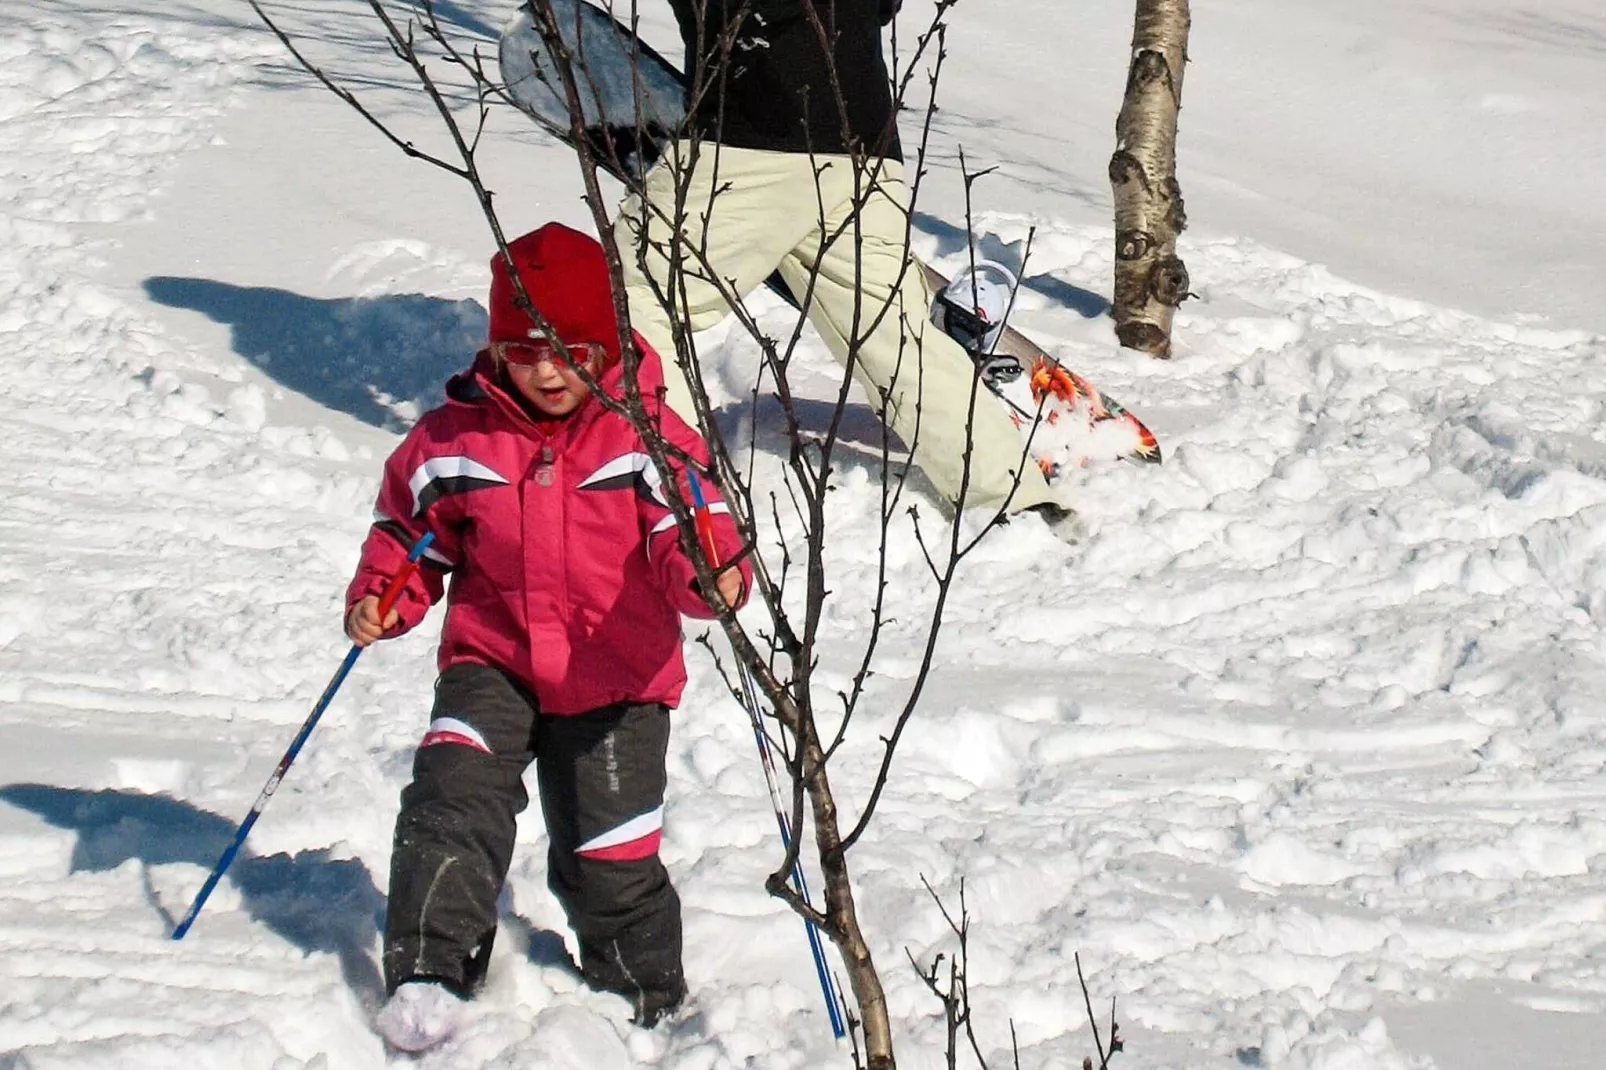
(705,535)
(387,601)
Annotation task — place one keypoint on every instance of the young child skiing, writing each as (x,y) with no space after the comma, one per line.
(561,645)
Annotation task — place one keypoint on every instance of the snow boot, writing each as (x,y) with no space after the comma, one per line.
(1066,524)
(420,1015)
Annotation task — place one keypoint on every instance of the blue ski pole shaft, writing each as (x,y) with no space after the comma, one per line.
(387,601)
(705,535)
(816,947)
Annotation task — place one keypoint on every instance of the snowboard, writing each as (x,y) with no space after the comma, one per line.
(632,102)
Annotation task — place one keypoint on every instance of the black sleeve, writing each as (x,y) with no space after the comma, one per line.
(889,8)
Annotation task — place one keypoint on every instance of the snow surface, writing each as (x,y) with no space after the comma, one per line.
(1303,750)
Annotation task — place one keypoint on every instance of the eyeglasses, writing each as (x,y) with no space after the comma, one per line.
(536,352)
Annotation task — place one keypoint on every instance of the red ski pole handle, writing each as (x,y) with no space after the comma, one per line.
(705,536)
(704,521)
(398,584)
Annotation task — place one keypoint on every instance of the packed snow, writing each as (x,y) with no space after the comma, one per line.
(1302,749)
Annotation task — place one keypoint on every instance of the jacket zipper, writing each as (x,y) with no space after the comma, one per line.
(543,466)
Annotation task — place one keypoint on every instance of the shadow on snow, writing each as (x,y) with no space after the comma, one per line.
(317,903)
(953,240)
(470,23)
(381,359)
(385,360)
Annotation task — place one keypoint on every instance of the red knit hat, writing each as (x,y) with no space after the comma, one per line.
(565,276)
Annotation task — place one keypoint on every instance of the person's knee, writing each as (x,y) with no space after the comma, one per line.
(605,898)
(453,777)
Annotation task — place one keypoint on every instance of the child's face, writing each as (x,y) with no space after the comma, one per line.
(545,378)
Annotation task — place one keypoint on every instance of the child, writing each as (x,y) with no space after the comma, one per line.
(561,645)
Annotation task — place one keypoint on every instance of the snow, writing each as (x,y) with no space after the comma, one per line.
(1303,751)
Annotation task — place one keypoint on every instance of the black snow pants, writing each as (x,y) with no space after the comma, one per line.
(601,777)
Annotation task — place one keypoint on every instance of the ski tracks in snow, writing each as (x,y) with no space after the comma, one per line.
(1306,732)
(132,661)
(1332,676)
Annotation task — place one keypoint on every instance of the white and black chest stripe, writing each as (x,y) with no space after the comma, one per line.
(440,476)
(636,471)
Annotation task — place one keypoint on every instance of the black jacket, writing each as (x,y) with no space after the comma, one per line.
(776,91)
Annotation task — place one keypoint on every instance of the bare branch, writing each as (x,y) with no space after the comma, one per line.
(350,98)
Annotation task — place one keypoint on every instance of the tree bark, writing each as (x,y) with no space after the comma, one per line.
(842,915)
(1150,280)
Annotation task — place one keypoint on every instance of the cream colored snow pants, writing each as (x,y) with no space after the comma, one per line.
(766,215)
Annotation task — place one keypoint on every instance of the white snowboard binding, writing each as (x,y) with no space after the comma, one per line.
(972,309)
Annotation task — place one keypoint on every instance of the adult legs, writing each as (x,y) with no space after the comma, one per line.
(752,211)
(744,210)
(932,397)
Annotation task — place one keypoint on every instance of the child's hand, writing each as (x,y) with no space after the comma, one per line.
(730,586)
(363,625)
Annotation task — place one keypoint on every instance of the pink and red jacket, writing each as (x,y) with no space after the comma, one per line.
(565,563)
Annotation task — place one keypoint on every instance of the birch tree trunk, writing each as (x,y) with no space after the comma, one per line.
(1150,280)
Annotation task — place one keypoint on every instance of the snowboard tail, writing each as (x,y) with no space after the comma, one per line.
(633,101)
